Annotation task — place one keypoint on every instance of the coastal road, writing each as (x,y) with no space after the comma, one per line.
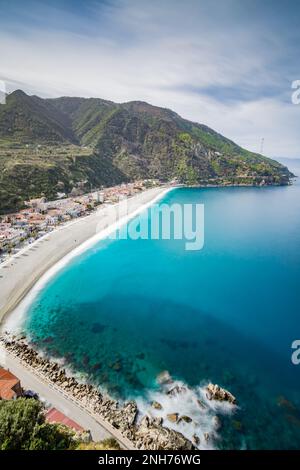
(29,381)
(64,404)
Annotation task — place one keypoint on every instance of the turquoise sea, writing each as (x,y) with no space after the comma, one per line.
(126,310)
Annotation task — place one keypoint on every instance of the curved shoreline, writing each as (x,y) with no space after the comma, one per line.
(21,279)
(56,375)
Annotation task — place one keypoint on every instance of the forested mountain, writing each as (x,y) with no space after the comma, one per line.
(48,145)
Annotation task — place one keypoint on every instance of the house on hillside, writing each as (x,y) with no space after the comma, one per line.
(10,386)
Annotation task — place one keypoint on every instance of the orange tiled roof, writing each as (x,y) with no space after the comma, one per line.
(7,383)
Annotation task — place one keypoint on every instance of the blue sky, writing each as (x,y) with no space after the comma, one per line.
(226,63)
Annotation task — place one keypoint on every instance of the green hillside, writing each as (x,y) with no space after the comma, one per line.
(49,145)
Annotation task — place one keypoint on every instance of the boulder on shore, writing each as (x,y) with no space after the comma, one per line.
(150,435)
(176,390)
(185,418)
(173,417)
(156,405)
(215,392)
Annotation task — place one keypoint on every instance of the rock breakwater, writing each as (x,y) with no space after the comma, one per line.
(147,433)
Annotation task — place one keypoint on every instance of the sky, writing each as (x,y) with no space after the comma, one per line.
(228,64)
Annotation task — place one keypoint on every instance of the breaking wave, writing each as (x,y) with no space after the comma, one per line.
(187,410)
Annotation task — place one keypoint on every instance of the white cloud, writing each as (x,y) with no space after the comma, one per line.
(162,55)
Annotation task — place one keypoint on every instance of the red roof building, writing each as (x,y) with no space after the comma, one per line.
(10,386)
(55,416)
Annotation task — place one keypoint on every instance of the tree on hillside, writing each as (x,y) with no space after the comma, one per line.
(106,444)
(23,427)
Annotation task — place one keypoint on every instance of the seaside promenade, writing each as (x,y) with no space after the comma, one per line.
(99,428)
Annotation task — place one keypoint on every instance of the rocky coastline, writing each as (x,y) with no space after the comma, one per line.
(146,433)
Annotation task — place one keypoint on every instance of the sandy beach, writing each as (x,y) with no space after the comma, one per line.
(30,268)
(27,272)
(20,273)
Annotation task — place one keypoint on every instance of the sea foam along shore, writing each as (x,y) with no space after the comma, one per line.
(145,425)
(206,423)
(190,410)
(120,420)
(28,273)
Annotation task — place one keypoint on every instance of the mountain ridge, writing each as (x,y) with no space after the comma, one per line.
(51,143)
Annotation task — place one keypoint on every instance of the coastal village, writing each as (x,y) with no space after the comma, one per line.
(40,216)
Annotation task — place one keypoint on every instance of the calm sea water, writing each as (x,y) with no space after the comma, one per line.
(126,310)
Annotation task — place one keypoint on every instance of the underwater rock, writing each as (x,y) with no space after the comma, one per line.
(97,327)
(237,425)
(69,357)
(48,340)
(164,378)
(85,360)
(196,440)
(228,377)
(293,420)
(117,366)
(285,403)
(140,355)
